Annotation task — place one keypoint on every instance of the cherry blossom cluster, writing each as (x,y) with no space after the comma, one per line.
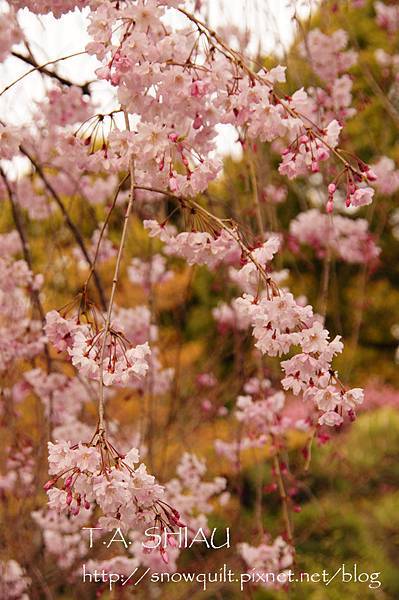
(260,411)
(171,70)
(388,62)
(19,471)
(128,498)
(358,192)
(21,336)
(64,106)
(128,360)
(197,247)
(269,557)
(327,53)
(52,389)
(10,33)
(387,16)
(62,535)
(330,62)
(332,105)
(149,273)
(56,7)
(13,581)
(193,497)
(119,364)
(349,239)
(274,194)
(387,176)
(279,323)
(177,97)
(100,476)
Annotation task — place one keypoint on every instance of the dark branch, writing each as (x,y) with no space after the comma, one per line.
(75,231)
(31,61)
(20,227)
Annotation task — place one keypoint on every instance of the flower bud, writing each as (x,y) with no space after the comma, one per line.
(47,486)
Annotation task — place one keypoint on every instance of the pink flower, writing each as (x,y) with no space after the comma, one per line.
(60,331)
(332,133)
(353,398)
(327,399)
(331,419)
(361,197)
(86,458)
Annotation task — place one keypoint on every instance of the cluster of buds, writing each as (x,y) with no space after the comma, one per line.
(358,193)
(304,154)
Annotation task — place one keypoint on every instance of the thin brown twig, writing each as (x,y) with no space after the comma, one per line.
(39,68)
(101,422)
(284,498)
(30,60)
(103,228)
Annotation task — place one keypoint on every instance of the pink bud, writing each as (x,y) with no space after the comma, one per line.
(103,73)
(198,89)
(314,167)
(173,137)
(68,481)
(197,123)
(172,542)
(194,89)
(352,415)
(323,438)
(164,555)
(49,484)
(268,489)
(322,154)
(330,206)
(115,78)
(69,498)
(283,467)
(206,405)
(332,188)
(86,505)
(173,184)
